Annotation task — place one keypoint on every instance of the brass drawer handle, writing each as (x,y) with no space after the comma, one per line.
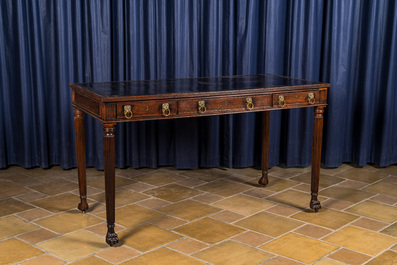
(128,111)
(250,104)
(165,108)
(281,101)
(310,98)
(201,106)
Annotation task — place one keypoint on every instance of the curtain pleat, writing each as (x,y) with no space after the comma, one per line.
(47,44)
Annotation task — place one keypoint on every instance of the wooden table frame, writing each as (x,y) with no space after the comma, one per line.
(110,103)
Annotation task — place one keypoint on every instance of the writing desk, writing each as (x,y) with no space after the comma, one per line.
(126,101)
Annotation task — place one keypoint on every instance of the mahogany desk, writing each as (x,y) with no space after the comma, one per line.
(114,102)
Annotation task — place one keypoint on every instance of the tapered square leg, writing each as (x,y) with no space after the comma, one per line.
(318,121)
(80,156)
(265,147)
(110,187)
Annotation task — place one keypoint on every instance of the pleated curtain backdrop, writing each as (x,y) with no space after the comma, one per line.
(47,44)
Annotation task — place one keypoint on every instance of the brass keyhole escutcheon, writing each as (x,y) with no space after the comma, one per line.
(250,104)
(310,98)
(281,101)
(201,106)
(165,108)
(128,111)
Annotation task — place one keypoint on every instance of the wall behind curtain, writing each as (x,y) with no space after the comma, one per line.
(47,44)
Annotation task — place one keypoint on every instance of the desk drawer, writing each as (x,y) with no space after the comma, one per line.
(224,104)
(146,109)
(286,100)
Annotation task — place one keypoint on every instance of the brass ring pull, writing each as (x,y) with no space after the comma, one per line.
(165,108)
(128,111)
(281,101)
(250,104)
(201,106)
(310,98)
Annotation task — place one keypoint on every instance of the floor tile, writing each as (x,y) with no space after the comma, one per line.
(68,222)
(391,200)
(346,194)
(14,251)
(140,187)
(147,237)
(252,238)
(209,230)
(378,211)
(313,231)
(101,229)
(153,203)
(369,224)
(283,210)
(9,189)
(289,172)
(158,178)
(168,222)
(55,187)
(243,204)
(387,258)
(44,260)
(233,253)
(34,214)
(269,224)
(224,187)
(190,182)
(90,261)
(12,226)
(327,261)
(75,245)
(188,245)
(12,206)
(172,192)
(30,196)
(325,180)
(391,230)
(361,240)
(349,256)
(123,197)
(132,215)
(282,261)
(118,254)
(292,198)
(384,188)
(361,175)
(99,182)
(299,247)
(259,192)
(352,184)
(37,236)
(228,216)
(249,172)
(208,197)
(206,174)
(163,256)
(189,210)
(335,170)
(326,217)
(390,170)
(336,204)
(59,203)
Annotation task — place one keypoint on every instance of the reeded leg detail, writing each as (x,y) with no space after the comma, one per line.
(110,187)
(265,147)
(80,156)
(316,156)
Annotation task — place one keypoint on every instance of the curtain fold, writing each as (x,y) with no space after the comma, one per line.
(45,45)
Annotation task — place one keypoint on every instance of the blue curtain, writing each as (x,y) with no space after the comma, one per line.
(47,44)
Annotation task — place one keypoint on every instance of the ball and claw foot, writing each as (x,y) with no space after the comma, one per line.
(315,205)
(263,180)
(112,239)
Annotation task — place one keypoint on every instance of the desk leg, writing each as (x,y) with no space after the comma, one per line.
(265,147)
(80,156)
(316,156)
(110,164)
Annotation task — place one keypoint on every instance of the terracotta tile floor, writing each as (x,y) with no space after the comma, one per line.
(206,216)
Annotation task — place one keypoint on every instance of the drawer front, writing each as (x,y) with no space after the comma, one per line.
(223,105)
(285,100)
(146,109)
